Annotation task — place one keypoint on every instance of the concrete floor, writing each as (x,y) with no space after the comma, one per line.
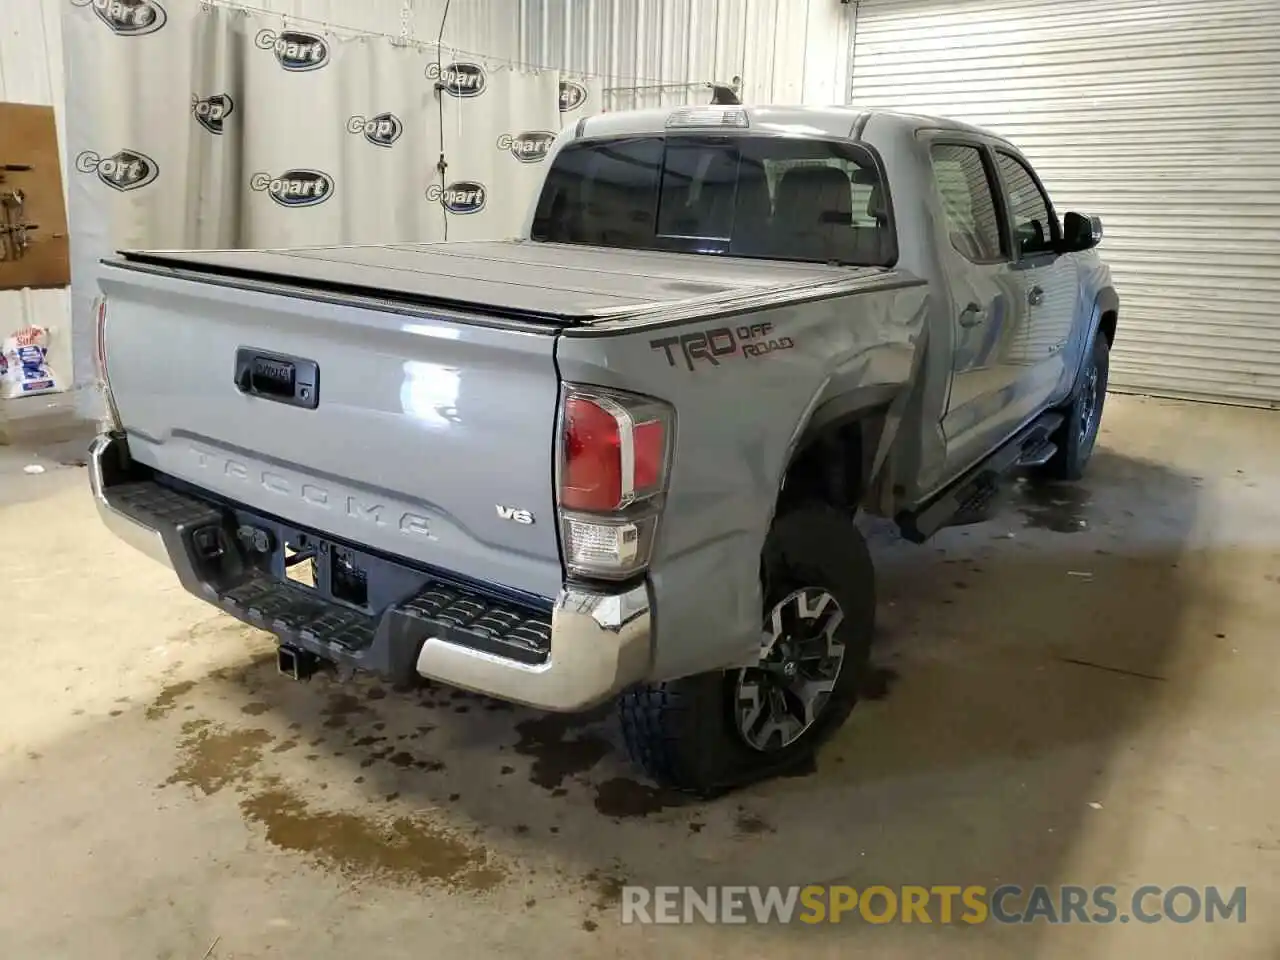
(1082,690)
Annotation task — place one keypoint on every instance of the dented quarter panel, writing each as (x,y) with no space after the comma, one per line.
(739,414)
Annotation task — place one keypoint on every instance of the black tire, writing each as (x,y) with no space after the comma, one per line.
(684,733)
(1078,434)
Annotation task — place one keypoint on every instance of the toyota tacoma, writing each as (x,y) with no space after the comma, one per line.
(619,456)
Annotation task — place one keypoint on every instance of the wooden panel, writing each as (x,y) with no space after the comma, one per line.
(29,138)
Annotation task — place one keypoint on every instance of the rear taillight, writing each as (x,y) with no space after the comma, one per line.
(614,460)
(100,361)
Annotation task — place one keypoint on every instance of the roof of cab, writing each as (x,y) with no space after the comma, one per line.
(838,121)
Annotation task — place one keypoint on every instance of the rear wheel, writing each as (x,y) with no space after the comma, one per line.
(715,731)
(779,699)
(1078,434)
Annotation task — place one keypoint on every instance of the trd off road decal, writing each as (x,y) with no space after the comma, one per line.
(124,170)
(125,18)
(721,344)
(296,51)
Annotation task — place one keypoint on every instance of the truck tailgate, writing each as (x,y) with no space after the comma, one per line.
(424,436)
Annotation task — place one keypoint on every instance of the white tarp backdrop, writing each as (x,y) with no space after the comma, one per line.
(193,125)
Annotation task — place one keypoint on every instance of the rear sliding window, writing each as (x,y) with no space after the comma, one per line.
(772,197)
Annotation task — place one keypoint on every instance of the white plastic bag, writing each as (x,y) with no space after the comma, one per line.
(24,367)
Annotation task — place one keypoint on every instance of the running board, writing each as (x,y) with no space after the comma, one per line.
(966,499)
(1038,456)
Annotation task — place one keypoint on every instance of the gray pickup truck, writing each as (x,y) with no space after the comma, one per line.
(620,456)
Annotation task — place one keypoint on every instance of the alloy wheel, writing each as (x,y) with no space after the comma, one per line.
(1089,404)
(780,697)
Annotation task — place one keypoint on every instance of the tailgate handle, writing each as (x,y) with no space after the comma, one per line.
(278,377)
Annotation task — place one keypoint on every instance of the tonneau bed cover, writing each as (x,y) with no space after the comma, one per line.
(521,279)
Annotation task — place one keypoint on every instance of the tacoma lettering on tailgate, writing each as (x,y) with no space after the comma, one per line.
(317,495)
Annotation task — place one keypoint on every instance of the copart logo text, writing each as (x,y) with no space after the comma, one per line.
(123,170)
(458,79)
(382,130)
(572,95)
(296,51)
(721,344)
(462,197)
(294,188)
(528,147)
(212,111)
(128,18)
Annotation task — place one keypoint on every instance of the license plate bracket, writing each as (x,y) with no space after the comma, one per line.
(327,569)
(348,577)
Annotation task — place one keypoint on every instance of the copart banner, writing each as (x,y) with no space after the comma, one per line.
(194,125)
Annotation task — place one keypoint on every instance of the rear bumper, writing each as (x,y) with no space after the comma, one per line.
(599,642)
(108,466)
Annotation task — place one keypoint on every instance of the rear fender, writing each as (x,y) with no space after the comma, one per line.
(874,411)
(880,410)
(739,417)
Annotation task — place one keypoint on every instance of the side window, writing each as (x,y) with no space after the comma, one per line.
(968,200)
(1034,229)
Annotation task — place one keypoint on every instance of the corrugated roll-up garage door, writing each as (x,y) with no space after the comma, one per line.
(1161,117)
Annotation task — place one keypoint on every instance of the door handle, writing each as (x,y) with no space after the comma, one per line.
(1036,296)
(972,315)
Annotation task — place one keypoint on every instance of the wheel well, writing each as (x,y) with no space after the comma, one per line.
(1107,324)
(828,467)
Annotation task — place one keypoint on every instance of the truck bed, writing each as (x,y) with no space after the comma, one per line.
(565,283)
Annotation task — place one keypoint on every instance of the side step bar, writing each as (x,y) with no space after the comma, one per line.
(969,496)
(1038,456)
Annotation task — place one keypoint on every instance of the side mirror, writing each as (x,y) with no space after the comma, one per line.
(1080,232)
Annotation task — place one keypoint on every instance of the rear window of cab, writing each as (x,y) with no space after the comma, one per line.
(779,198)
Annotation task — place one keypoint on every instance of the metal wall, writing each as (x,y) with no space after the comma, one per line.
(1163,118)
(792,52)
(31,72)
(785,51)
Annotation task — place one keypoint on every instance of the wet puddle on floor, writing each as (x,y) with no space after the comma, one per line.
(214,757)
(877,682)
(1058,508)
(401,848)
(405,849)
(556,757)
(167,699)
(418,844)
(624,798)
